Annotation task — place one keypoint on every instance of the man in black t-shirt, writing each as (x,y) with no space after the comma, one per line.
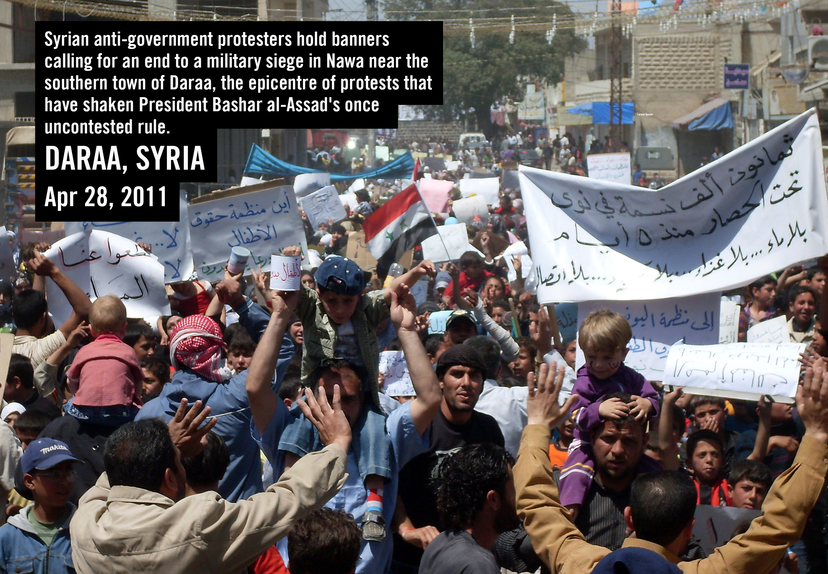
(460,371)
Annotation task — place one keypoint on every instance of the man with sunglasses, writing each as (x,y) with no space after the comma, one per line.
(37,539)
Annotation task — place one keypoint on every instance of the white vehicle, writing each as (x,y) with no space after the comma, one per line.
(473,140)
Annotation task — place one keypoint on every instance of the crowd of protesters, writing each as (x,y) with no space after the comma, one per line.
(209,440)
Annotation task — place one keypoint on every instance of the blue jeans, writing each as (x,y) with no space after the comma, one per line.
(370,442)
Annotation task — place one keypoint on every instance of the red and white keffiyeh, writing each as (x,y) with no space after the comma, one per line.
(197,344)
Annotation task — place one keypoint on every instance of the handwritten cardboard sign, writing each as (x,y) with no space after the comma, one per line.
(436,193)
(170,240)
(285,273)
(323,205)
(437,322)
(760,208)
(103,263)
(728,322)
(657,325)
(487,188)
(357,251)
(772,331)
(567,314)
(613,167)
(306,183)
(393,367)
(450,244)
(736,370)
(265,221)
(420,290)
(466,209)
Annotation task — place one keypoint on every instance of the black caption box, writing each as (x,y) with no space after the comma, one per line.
(128,110)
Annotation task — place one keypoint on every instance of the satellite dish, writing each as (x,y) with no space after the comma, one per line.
(795,74)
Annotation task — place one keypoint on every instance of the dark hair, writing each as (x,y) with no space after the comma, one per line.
(489,349)
(242,343)
(751,470)
(338,228)
(21,367)
(470,258)
(697,400)
(501,303)
(158,366)
(209,465)
(232,331)
(324,542)
(290,387)
(761,282)
(135,331)
(433,343)
(495,278)
(814,270)
(32,420)
(28,307)
(705,435)
(662,504)
(528,344)
(466,477)
(138,454)
(320,370)
(798,290)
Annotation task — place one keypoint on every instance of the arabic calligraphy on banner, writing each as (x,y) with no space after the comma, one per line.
(265,221)
(103,263)
(658,325)
(736,370)
(758,209)
(170,240)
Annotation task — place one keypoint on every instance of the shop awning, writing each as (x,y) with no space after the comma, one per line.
(600,112)
(713,115)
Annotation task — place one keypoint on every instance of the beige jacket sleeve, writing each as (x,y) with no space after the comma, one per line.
(559,544)
(246,528)
(784,513)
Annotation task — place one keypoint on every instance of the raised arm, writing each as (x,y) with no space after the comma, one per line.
(80,303)
(404,314)
(263,401)
(760,446)
(410,278)
(670,458)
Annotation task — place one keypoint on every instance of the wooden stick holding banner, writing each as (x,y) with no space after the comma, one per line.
(552,321)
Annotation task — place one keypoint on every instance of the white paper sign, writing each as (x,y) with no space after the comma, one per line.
(356,186)
(265,221)
(393,367)
(102,263)
(487,187)
(715,525)
(307,183)
(728,322)
(245,181)
(657,325)
(760,208)
(453,238)
(323,205)
(773,331)
(737,370)
(466,209)
(516,248)
(613,167)
(170,240)
(285,273)
(349,200)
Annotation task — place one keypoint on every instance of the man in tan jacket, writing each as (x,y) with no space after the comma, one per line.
(136,519)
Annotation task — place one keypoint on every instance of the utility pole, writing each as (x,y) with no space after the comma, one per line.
(616,74)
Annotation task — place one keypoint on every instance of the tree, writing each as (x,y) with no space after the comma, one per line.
(475,77)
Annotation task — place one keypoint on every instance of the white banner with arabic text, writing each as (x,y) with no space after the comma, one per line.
(758,209)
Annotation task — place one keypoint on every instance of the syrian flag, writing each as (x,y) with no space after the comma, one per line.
(415,175)
(401,223)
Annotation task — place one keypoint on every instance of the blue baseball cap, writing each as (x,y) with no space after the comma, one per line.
(44,453)
(340,275)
